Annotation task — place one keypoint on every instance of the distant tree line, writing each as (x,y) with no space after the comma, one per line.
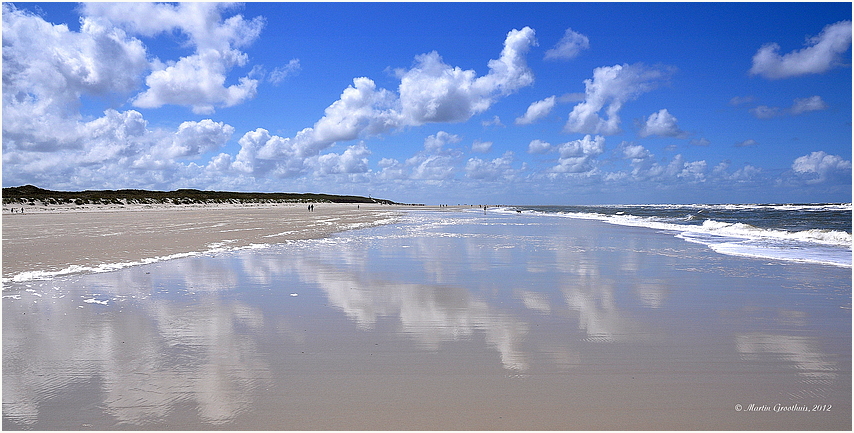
(31,194)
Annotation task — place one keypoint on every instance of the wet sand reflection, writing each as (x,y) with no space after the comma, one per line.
(297,336)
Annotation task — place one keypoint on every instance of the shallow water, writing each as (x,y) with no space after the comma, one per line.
(446,320)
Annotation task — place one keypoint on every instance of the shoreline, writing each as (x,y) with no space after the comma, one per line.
(51,240)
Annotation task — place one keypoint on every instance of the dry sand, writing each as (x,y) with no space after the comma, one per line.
(50,240)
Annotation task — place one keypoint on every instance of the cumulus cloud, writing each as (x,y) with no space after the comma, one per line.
(700,142)
(609,89)
(362,109)
(744,174)
(117,150)
(434,143)
(494,170)
(432,167)
(569,46)
(662,124)
(821,53)
(818,167)
(351,161)
(578,156)
(481,146)
(645,167)
(634,151)
(803,105)
(765,112)
(433,91)
(429,92)
(539,147)
(47,69)
(50,61)
(197,80)
(536,111)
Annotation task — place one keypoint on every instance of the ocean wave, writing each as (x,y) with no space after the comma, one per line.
(830,247)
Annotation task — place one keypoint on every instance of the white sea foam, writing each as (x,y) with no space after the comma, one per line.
(830,247)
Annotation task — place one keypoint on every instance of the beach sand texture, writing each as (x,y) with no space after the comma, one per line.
(440,321)
(51,239)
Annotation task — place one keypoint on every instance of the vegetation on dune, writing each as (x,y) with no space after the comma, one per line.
(29,194)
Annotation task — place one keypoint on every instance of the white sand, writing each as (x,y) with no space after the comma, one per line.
(52,240)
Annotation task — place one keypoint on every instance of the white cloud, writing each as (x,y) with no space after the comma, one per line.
(197,80)
(47,69)
(481,146)
(497,169)
(495,121)
(609,89)
(429,92)
(739,100)
(578,156)
(261,154)
(569,46)
(280,73)
(434,143)
(700,142)
(50,61)
(539,147)
(695,170)
(536,111)
(117,150)
(663,124)
(803,105)
(765,112)
(799,106)
(818,167)
(634,151)
(747,143)
(433,91)
(351,161)
(644,167)
(392,169)
(432,167)
(195,138)
(361,110)
(821,53)
(744,174)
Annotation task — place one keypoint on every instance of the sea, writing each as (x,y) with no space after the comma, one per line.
(810,233)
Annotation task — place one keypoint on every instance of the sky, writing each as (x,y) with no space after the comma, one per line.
(435,103)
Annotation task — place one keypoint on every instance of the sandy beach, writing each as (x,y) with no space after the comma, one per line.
(456,320)
(59,239)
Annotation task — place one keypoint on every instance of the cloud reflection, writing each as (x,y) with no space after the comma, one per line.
(150,354)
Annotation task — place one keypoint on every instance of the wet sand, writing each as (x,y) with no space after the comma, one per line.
(442,321)
(59,239)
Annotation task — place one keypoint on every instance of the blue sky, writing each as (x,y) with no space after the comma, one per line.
(513,103)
